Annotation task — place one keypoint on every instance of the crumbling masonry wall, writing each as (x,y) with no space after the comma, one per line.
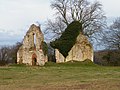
(31,52)
(81,51)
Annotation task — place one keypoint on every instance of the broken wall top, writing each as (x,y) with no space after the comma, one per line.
(33,37)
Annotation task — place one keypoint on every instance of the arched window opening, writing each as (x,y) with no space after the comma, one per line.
(34,40)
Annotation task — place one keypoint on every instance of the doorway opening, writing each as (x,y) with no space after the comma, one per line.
(34,60)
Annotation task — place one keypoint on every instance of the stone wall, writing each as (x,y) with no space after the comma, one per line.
(81,51)
(31,52)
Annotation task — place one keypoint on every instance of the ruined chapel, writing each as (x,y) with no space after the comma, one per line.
(31,52)
(72,45)
(81,51)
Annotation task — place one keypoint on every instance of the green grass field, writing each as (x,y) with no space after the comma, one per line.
(67,76)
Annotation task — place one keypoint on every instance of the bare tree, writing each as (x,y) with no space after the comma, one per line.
(89,14)
(14,50)
(111,37)
(8,54)
(55,28)
(4,53)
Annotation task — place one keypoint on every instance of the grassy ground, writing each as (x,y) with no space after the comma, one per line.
(67,76)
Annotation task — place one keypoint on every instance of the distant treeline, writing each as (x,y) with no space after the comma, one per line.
(107,57)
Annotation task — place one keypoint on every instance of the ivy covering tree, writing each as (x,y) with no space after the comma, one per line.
(68,38)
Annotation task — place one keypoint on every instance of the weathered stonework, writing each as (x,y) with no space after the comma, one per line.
(81,51)
(31,52)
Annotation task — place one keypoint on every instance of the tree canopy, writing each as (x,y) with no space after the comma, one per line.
(111,38)
(89,14)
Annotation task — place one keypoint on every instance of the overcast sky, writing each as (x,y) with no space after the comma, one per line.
(17,15)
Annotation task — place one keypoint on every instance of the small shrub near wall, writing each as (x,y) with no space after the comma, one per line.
(45,48)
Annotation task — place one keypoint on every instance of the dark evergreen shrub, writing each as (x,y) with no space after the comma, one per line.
(68,38)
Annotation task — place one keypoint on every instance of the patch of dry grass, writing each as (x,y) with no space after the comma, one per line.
(67,76)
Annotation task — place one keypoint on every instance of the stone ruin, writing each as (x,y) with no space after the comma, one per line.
(82,50)
(31,52)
